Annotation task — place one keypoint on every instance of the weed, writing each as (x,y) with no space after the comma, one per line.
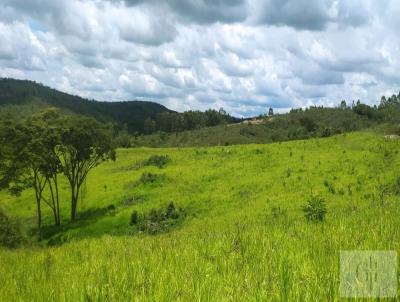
(315,209)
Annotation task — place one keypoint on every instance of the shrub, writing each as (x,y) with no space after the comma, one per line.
(171,211)
(134,218)
(157,221)
(157,160)
(315,209)
(148,177)
(10,234)
(326,132)
(111,207)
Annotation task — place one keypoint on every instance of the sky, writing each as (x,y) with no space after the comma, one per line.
(242,55)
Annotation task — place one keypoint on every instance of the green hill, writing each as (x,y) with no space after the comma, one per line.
(304,124)
(241,233)
(22,98)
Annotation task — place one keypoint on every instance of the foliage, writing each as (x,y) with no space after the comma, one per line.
(159,161)
(177,122)
(265,258)
(157,221)
(38,150)
(127,115)
(10,234)
(315,210)
(148,177)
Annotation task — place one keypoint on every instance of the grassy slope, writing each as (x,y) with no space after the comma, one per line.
(222,135)
(272,129)
(230,247)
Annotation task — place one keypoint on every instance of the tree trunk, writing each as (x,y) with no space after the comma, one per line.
(39,215)
(54,206)
(57,200)
(74,203)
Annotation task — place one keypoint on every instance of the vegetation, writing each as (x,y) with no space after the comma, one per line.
(157,221)
(243,236)
(10,234)
(299,124)
(242,230)
(149,124)
(20,99)
(159,161)
(315,210)
(37,151)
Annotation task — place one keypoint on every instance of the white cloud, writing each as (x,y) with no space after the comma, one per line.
(245,55)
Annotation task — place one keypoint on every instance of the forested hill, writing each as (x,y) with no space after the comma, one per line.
(21,98)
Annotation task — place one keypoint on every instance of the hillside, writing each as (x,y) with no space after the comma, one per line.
(22,98)
(243,234)
(298,124)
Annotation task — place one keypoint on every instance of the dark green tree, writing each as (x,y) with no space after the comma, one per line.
(270,111)
(28,160)
(85,143)
(149,126)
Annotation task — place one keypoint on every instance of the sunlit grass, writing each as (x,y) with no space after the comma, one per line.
(232,245)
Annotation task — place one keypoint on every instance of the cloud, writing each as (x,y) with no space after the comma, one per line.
(244,55)
(210,11)
(312,14)
(201,11)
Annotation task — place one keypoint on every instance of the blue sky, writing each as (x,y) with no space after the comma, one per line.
(243,55)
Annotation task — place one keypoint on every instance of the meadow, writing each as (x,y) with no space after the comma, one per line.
(243,235)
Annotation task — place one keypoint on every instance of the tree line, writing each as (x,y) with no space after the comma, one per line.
(37,152)
(170,122)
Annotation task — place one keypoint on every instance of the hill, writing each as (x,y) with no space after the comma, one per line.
(297,124)
(239,232)
(22,98)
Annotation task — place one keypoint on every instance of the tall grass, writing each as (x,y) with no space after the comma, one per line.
(233,245)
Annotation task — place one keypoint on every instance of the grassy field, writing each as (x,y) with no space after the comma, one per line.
(243,235)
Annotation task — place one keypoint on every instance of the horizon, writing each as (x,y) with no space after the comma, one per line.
(349,103)
(243,55)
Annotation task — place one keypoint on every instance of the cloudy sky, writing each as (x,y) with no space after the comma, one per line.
(243,55)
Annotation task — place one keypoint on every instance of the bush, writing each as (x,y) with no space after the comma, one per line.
(326,132)
(157,160)
(148,178)
(134,218)
(157,221)
(315,210)
(10,234)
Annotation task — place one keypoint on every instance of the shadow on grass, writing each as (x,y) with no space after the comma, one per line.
(54,235)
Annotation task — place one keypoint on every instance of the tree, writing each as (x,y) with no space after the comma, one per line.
(47,131)
(270,111)
(27,160)
(308,123)
(85,143)
(149,126)
(343,105)
(383,102)
(20,167)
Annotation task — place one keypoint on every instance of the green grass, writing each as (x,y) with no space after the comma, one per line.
(233,244)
